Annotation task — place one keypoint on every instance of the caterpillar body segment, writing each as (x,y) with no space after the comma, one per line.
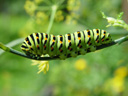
(63,46)
(71,48)
(52,48)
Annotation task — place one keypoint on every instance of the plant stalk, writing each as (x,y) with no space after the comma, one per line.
(54,9)
(7,49)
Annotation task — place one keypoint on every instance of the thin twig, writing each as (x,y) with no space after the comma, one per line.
(12,43)
(54,8)
(5,48)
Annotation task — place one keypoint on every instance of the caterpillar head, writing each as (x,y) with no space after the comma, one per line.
(105,37)
(108,39)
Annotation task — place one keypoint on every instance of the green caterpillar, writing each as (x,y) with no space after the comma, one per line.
(63,46)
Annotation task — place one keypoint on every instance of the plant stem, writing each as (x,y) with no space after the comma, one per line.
(7,49)
(12,43)
(54,8)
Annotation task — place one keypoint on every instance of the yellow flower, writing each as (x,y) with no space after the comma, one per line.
(70,4)
(30,7)
(43,66)
(118,84)
(80,64)
(41,18)
(59,16)
(74,15)
(121,72)
(70,20)
(115,84)
(73,5)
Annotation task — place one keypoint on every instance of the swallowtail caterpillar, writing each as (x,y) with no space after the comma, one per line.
(63,46)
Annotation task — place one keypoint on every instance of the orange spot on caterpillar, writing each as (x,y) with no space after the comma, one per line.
(37,46)
(30,47)
(45,38)
(44,46)
(79,38)
(79,46)
(97,33)
(88,35)
(26,49)
(60,50)
(68,34)
(53,40)
(89,43)
(69,40)
(60,36)
(61,42)
(70,49)
(102,40)
(37,37)
(97,41)
(52,48)
(78,32)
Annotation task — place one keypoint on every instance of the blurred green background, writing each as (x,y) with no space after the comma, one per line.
(100,73)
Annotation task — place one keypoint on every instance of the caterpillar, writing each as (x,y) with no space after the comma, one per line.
(63,46)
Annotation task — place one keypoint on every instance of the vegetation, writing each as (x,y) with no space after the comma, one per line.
(101,73)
